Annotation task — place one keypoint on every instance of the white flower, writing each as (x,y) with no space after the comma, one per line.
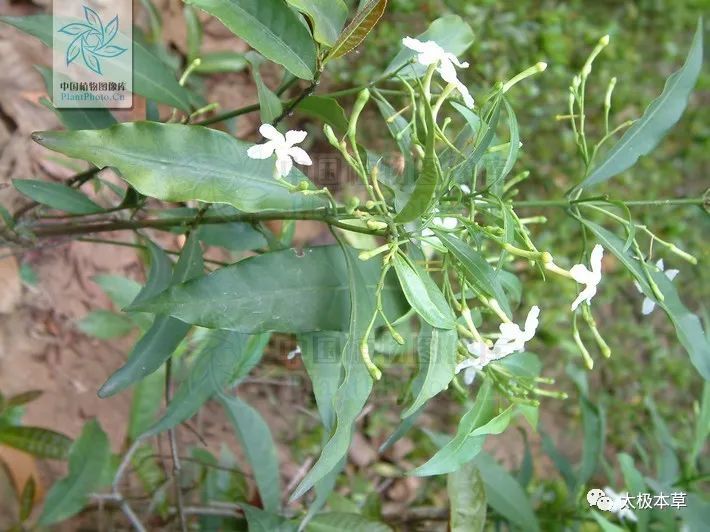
(512,337)
(430,53)
(619,502)
(283,146)
(447,222)
(590,279)
(293,354)
(649,304)
(465,189)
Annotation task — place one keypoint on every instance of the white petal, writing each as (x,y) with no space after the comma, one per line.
(638,286)
(469,375)
(429,57)
(660,265)
(531,323)
(299,155)
(295,137)
(427,232)
(509,331)
(455,60)
(414,44)
(647,306)
(270,132)
(448,72)
(581,274)
(284,165)
(261,151)
(467,98)
(671,274)
(480,349)
(585,295)
(464,364)
(465,189)
(595,261)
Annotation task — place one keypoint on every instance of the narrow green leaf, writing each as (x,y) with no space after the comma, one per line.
(151,77)
(159,275)
(327,17)
(505,495)
(340,521)
(271,28)
(120,290)
(660,116)
(605,524)
(21,399)
(450,32)
(57,196)
(254,295)
(357,382)
(225,357)
(512,155)
(436,353)
(357,30)
(269,104)
(88,457)
(176,162)
(27,498)
(326,109)
(423,294)
(43,443)
(194,33)
(262,521)
(166,333)
(146,400)
(104,324)
(702,423)
(687,325)
(594,438)
(634,484)
(467,497)
(258,445)
(321,353)
(220,62)
(476,269)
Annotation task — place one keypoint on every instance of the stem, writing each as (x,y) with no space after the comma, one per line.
(630,203)
(174,450)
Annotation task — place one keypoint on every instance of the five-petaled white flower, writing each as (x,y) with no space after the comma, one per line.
(649,304)
(430,53)
(512,339)
(448,222)
(590,279)
(283,146)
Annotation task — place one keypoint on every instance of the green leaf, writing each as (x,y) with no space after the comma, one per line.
(96,118)
(512,155)
(594,437)
(105,324)
(467,496)
(437,362)
(119,289)
(262,521)
(194,33)
(88,458)
(43,443)
(166,333)
(476,269)
(320,353)
(339,521)
(220,62)
(225,357)
(326,109)
(423,294)
(159,275)
(258,445)
(27,498)
(20,399)
(145,404)
(605,524)
(57,196)
(151,77)
(450,32)
(327,17)
(269,104)
(357,30)
(505,495)
(688,328)
(660,116)
(634,484)
(357,382)
(271,28)
(176,162)
(702,423)
(254,295)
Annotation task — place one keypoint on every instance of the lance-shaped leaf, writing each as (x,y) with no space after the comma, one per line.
(467,496)
(450,32)
(151,77)
(660,116)
(437,361)
(270,106)
(339,521)
(687,325)
(326,109)
(176,162)
(258,445)
(271,28)
(357,382)
(327,17)
(225,357)
(88,458)
(278,291)
(57,196)
(37,441)
(357,30)
(423,294)
(476,269)
(471,433)
(166,333)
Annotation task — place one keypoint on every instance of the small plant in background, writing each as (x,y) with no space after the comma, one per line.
(432,246)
